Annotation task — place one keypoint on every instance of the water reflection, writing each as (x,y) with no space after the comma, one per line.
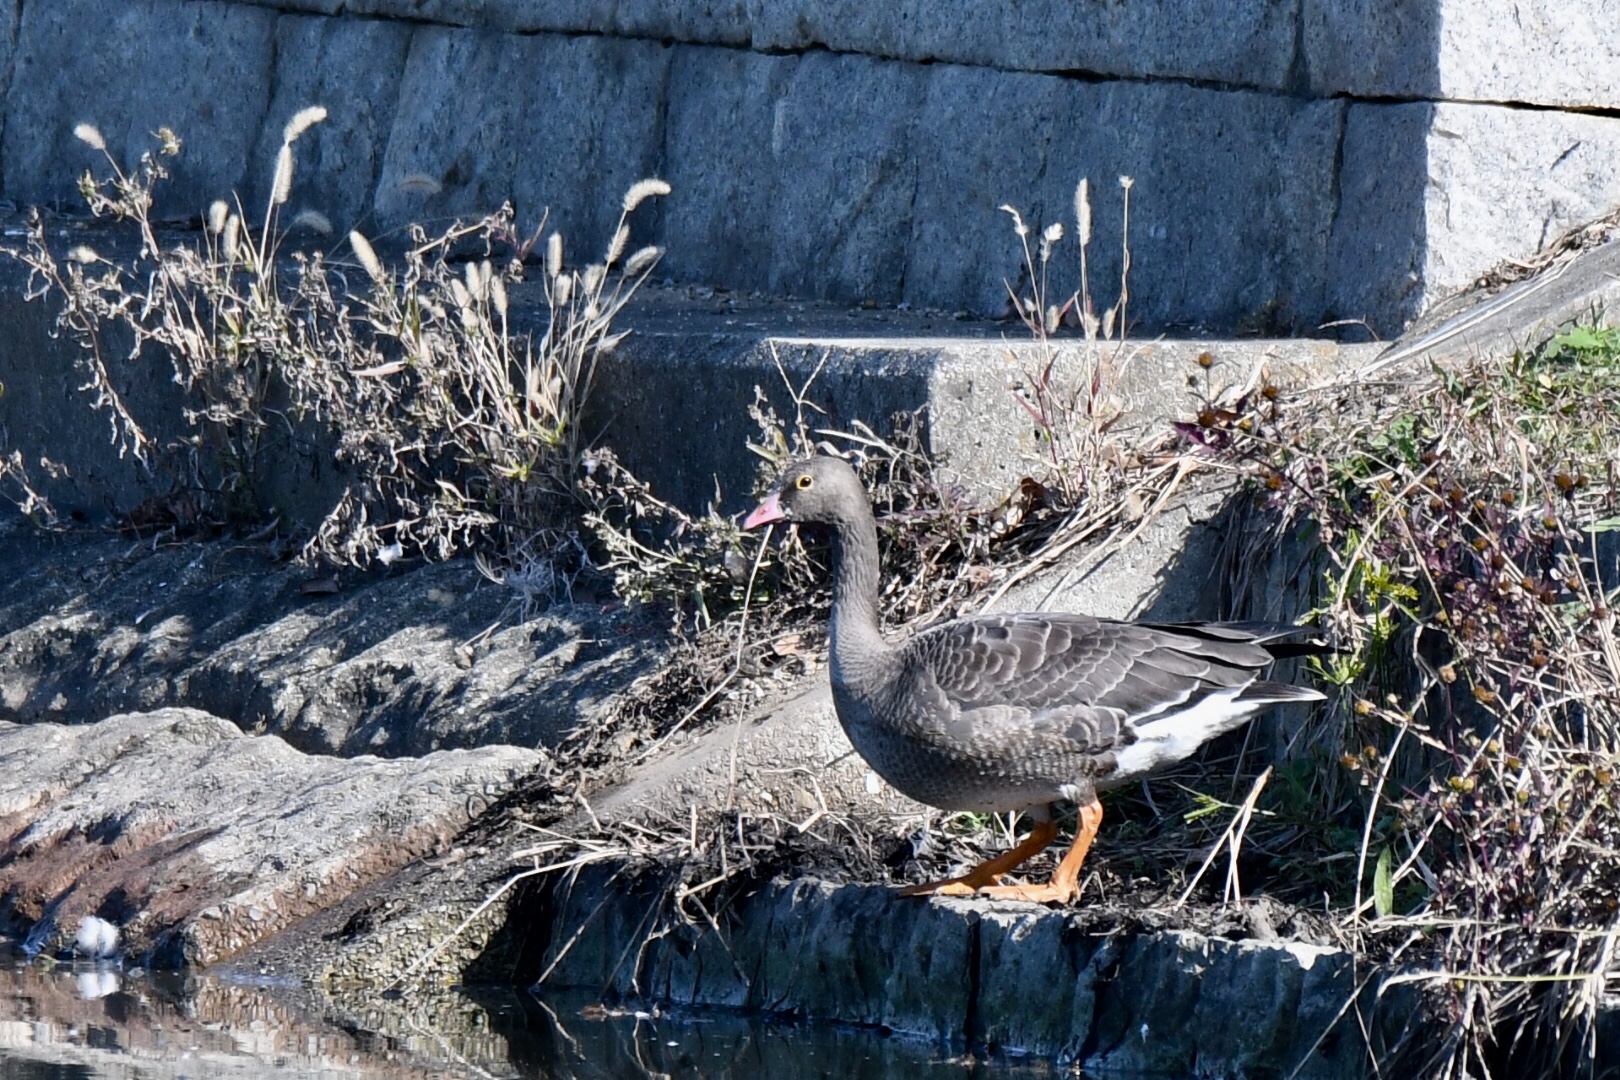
(75,1024)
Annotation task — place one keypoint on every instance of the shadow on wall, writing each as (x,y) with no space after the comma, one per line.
(1377,246)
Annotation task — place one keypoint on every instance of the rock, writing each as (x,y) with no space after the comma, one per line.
(351,66)
(804,207)
(95,627)
(1561,53)
(1434,195)
(558,124)
(1221,180)
(1019,978)
(1251,43)
(791,757)
(1296,165)
(204,72)
(197,840)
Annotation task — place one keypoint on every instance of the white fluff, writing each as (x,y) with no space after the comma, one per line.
(97,938)
(95,985)
(1174,736)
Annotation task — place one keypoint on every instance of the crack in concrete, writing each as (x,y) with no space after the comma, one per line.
(1289,90)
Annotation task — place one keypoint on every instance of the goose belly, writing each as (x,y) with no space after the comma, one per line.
(955,778)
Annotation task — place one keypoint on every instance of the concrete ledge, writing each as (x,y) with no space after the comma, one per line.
(682,382)
(1012,977)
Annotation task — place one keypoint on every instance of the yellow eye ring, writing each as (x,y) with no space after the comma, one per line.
(804,481)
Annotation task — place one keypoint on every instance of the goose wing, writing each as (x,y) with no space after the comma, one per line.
(1089,684)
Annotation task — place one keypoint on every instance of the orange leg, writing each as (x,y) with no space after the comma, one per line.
(988,873)
(1064,887)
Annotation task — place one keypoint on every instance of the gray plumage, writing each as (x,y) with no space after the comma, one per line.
(1016,712)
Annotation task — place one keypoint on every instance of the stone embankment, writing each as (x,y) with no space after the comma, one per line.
(240,762)
(1295,164)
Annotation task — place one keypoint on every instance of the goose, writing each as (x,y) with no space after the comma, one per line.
(996,713)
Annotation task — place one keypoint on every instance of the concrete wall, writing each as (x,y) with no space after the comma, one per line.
(1296,160)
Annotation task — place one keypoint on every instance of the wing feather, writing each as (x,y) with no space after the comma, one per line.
(1080,681)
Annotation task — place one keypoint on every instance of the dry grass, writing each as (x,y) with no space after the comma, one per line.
(458,432)
(1452,809)
(1467,520)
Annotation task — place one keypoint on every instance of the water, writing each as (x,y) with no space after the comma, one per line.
(82,1023)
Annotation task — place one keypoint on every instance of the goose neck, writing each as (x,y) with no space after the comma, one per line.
(856,578)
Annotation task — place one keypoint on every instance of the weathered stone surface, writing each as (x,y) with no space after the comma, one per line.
(1255,210)
(1564,53)
(1229,214)
(198,840)
(774,196)
(1248,43)
(1435,195)
(556,123)
(1377,251)
(353,67)
(203,70)
(705,22)
(791,758)
(1251,43)
(94,627)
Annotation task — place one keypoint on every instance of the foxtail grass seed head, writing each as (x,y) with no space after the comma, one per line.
(1018,221)
(554,255)
(1049,239)
(641,191)
(621,240)
(1082,210)
(594,275)
(367,256)
(83,254)
(497,294)
(218,211)
(475,284)
(642,260)
(459,291)
(314,221)
(232,238)
(282,187)
(90,135)
(562,290)
(302,121)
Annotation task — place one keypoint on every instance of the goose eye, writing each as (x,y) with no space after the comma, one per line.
(804,481)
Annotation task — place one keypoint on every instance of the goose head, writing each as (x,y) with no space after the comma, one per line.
(821,490)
